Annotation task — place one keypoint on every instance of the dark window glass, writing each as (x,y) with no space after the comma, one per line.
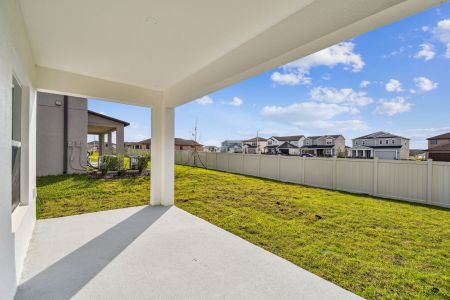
(16,142)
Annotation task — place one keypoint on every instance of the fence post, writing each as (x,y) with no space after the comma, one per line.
(303,169)
(215,163)
(334,176)
(429,179)
(228,161)
(278,166)
(259,165)
(375,176)
(243,164)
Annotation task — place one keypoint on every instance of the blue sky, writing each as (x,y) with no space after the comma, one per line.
(393,79)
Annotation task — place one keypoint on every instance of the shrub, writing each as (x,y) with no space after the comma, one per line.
(120,165)
(142,163)
(105,165)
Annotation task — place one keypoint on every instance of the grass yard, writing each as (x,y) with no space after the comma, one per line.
(378,249)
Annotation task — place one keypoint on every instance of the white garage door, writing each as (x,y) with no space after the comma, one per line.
(385,154)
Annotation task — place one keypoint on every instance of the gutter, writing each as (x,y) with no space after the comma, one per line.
(65,133)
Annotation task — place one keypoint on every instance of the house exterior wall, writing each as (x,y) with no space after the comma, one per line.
(339,146)
(402,153)
(16,228)
(439,142)
(50,134)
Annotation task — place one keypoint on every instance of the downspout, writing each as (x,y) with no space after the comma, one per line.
(66,133)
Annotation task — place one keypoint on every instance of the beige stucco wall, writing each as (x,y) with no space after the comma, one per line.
(50,134)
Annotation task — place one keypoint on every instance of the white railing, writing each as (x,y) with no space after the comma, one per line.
(426,182)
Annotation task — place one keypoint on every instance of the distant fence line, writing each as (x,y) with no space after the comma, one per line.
(426,182)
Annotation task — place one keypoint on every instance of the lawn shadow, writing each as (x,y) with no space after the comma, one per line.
(66,277)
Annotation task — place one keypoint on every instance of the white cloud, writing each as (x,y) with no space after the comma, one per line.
(364,84)
(333,125)
(425,84)
(426,52)
(312,115)
(340,54)
(394,86)
(236,101)
(425,28)
(345,96)
(290,78)
(205,100)
(392,107)
(212,143)
(442,33)
(304,112)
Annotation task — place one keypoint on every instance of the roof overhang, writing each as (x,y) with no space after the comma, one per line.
(171,52)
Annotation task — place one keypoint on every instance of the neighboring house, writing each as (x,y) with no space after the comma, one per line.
(180,144)
(383,145)
(63,124)
(232,146)
(325,145)
(289,145)
(92,146)
(439,147)
(211,149)
(254,145)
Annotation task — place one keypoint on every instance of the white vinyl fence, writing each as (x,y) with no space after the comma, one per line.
(424,182)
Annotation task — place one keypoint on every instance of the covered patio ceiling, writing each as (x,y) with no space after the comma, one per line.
(147,52)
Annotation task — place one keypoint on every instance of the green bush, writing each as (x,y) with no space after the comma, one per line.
(120,166)
(142,163)
(106,165)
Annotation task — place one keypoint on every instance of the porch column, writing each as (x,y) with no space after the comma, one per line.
(110,142)
(119,140)
(162,156)
(101,144)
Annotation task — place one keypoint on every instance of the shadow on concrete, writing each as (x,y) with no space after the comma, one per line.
(66,277)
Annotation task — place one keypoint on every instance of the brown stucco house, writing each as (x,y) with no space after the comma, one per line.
(439,147)
(180,144)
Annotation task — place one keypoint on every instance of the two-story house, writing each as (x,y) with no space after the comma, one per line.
(254,145)
(288,145)
(383,145)
(231,146)
(439,147)
(324,145)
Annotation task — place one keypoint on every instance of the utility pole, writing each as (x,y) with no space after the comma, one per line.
(257,142)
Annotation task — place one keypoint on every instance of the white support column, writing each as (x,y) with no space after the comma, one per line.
(162,156)
(110,144)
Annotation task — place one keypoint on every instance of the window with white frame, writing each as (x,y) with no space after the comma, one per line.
(329,141)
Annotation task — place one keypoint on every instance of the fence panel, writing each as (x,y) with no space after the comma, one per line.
(236,162)
(355,175)
(211,161)
(290,169)
(440,187)
(222,161)
(319,172)
(405,180)
(423,182)
(269,167)
(251,164)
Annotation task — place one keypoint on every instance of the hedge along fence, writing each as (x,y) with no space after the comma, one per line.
(414,181)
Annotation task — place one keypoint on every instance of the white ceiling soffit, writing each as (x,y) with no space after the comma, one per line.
(147,43)
(318,26)
(188,48)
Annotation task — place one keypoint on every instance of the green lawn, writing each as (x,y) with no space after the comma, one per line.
(375,248)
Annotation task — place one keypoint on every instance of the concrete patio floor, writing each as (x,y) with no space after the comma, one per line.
(157,253)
